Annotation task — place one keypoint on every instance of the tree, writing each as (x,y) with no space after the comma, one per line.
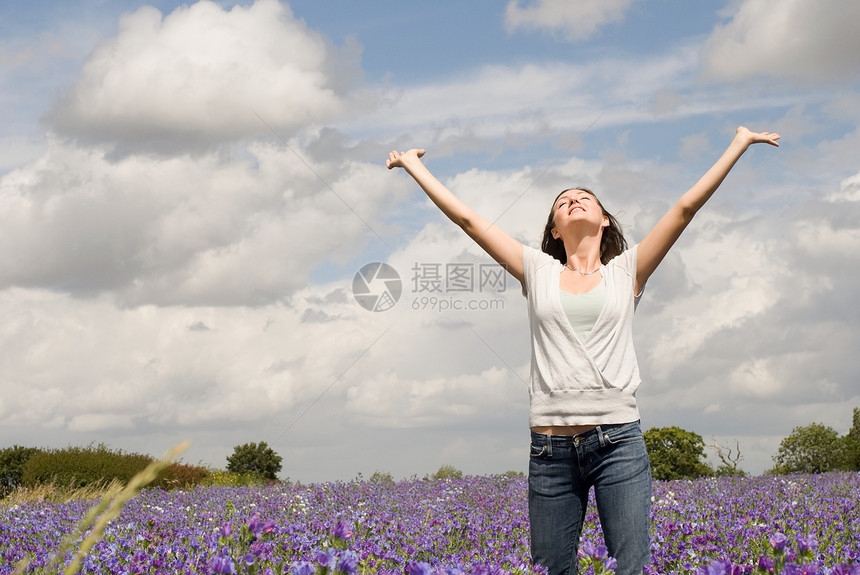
(854,432)
(255,458)
(729,457)
(815,448)
(676,453)
(12,462)
(851,452)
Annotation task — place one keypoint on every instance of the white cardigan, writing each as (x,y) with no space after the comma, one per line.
(573,382)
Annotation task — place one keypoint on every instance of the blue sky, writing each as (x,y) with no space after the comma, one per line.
(188,190)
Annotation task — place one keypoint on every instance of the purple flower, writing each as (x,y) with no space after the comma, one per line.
(418,568)
(587,549)
(222,564)
(610,563)
(301,568)
(765,563)
(342,529)
(806,543)
(846,569)
(259,527)
(717,567)
(778,541)
(327,558)
(226,530)
(348,562)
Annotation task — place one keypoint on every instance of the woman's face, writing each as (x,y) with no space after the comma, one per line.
(575,206)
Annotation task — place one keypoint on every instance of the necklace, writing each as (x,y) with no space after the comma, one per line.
(581,272)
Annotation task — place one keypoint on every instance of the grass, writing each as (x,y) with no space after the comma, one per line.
(54,493)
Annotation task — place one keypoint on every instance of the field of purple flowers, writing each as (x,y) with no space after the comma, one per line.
(780,524)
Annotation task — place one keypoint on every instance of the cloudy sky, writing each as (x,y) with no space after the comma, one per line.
(188,191)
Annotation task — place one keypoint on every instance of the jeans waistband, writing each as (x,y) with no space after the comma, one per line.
(570,439)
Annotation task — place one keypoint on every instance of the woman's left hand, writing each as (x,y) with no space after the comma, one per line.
(747,137)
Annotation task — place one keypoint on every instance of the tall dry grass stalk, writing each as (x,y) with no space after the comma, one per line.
(98,517)
(54,493)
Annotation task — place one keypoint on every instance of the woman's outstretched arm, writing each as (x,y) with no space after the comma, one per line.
(498,244)
(656,244)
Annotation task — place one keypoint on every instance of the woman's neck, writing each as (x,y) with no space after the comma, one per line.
(584,255)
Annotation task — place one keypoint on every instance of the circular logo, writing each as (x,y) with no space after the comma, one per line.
(376,287)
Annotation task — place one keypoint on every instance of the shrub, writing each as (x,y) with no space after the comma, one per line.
(222,478)
(381,477)
(82,466)
(12,461)
(729,471)
(182,476)
(511,474)
(448,472)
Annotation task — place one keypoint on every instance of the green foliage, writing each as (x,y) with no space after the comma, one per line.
(222,478)
(82,466)
(676,453)
(182,476)
(381,477)
(815,448)
(851,453)
(511,474)
(448,472)
(255,458)
(724,470)
(854,432)
(12,461)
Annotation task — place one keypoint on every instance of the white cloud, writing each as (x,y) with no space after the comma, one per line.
(99,422)
(849,190)
(387,401)
(200,76)
(720,298)
(522,104)
(201,230)
(574,20)
(802,40)
(88,365)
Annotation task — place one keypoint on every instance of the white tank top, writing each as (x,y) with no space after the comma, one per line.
(582,310)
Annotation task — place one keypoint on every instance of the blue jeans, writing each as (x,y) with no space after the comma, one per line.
(562,469)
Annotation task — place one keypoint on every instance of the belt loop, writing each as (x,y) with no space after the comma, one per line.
(549,445)
(600,437)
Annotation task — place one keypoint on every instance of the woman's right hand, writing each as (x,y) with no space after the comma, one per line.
(400,160)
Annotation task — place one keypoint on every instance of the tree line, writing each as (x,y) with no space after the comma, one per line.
(674,453)
(75,468)
(815,448)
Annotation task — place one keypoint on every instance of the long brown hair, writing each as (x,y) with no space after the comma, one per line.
(612,243)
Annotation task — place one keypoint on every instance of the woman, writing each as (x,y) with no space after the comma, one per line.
(582,289)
